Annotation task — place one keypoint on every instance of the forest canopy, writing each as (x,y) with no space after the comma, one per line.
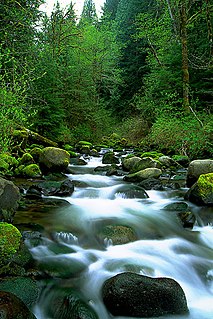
(142,70)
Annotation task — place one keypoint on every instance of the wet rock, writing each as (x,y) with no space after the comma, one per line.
(24,288)
(67,303)
(177,207)
(197,168)
(57,188)
(152,183)
(11,307)
(53,159)
(201,192)
(110,158)
(142,175)
(134,295)
(9,197)
(131,191)
(146,162)
(187,219)
(117,234)
(129,162)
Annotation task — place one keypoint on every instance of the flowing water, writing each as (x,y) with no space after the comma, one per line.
(164,247)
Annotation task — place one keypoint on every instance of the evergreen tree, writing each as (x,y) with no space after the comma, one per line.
(89,14)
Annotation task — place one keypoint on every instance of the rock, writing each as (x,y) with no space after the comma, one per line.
(53,159)
(110,158)
(153,154)
(66,303)
(117,234)
(9,197)
(26,159)
(197,168)
(142,175)
(133,295)
(201,192)
(31,171)
(131,191)
(146,162)
(24,288)
(152,183)
(12,307)
(10,239)
(129,162)
(57,188)
(187,219)
(168,161)
(177,207)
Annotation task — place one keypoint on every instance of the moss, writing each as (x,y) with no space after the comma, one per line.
(26,159)
(20,134)
(10,238)
(68,148)
(205,184)
(85,143)
(31,170)
(153,154)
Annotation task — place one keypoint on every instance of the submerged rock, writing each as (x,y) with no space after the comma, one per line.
(133,295)
(67,303)
(117,234)
(11,307)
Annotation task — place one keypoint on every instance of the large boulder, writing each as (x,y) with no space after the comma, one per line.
(197,168)
(12,307)
(143,174)
(133,295)
(129,162)
(146,162)
(53,159)
(201,192)
(9,197)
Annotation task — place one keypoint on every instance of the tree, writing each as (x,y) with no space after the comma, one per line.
(89,14)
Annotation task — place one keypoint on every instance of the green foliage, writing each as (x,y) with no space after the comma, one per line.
(9,242)
(182,135)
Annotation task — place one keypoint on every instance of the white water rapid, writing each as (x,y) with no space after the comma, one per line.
(163,249)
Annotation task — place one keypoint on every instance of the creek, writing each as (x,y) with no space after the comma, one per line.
(163,249)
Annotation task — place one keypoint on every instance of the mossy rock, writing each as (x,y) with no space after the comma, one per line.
(201,193)
(27,158)
(54,159)
(31,171)
(9,198)
(81,143)
(110,158)
(10,239)
(7,164)
(143,175)
(153,154)
(118,234)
